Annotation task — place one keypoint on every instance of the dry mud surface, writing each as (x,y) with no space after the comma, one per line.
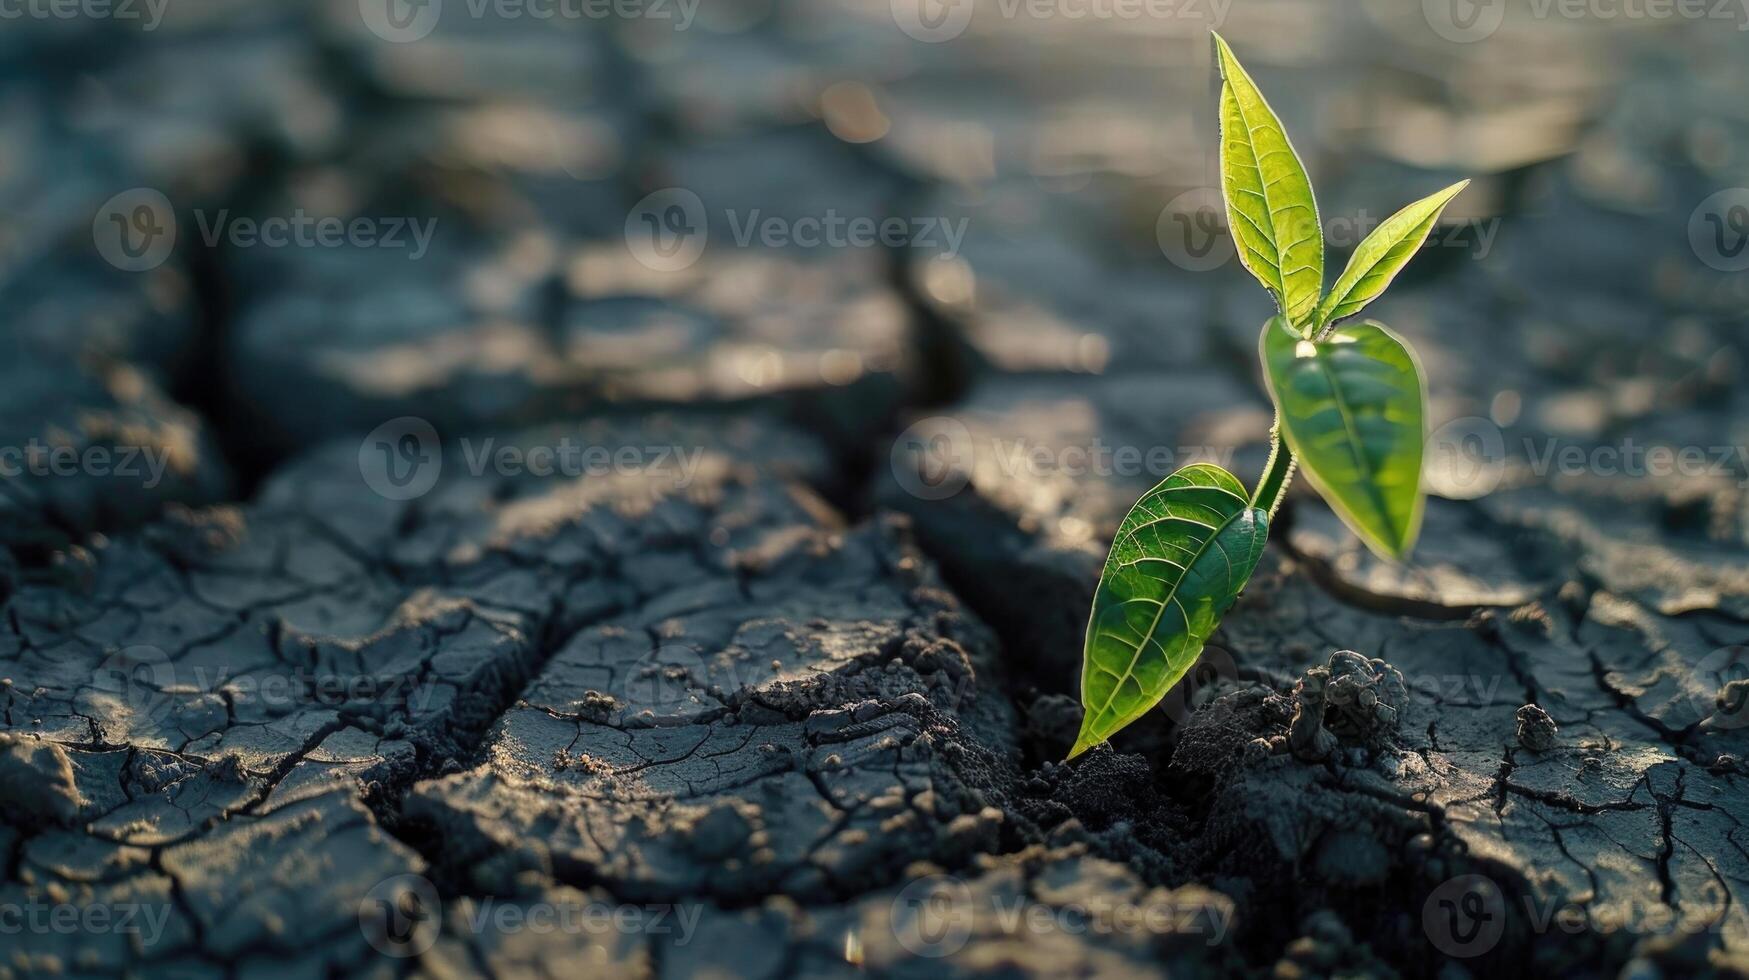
(537,605)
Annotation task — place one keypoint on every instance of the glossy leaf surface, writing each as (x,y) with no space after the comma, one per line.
(1383,254)
(1177,563)
(1353,410)
(1270,208)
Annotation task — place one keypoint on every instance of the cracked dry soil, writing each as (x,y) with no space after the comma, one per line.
(774,694)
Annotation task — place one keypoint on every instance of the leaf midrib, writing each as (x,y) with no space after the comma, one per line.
(1250,146)
(1336,303)
(1370,483)
(1268,208)
(1172,595)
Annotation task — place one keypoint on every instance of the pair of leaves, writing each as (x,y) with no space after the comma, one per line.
(1350,400)
(1274,215)
(1351,407)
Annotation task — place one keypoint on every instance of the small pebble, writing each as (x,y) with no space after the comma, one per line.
(1536,730)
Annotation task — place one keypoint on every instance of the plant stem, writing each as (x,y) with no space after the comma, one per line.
(1272,487)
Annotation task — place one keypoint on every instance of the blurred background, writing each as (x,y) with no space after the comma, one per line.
(916,227)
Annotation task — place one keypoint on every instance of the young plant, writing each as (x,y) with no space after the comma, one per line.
(1350,409)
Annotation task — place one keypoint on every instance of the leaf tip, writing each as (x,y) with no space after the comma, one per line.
(1397,551)
(1223,53)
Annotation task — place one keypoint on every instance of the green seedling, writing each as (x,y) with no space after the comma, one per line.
(1350,409)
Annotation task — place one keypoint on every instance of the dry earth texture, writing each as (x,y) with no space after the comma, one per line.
(766,671)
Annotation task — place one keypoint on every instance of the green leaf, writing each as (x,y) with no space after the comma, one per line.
(1383,254)
(1353,410)
(1177,563)
(1270,208)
